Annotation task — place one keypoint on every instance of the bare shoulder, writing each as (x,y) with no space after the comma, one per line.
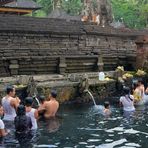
(57,103)
(12,100)
(46,103)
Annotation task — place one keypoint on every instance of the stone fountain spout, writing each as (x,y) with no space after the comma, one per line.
(32,90)
(84,87)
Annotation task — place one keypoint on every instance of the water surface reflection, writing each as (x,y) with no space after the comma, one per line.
(79,127)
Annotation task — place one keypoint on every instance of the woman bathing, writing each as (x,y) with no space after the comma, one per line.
(127,100)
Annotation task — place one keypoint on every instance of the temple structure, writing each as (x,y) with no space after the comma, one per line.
(30,45)
(18,7)
(2,2)
(57,52)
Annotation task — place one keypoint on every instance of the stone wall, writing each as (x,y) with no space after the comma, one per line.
(47,46)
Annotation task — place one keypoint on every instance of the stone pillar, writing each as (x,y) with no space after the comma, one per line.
(14,66)
(62,65)
(100,63)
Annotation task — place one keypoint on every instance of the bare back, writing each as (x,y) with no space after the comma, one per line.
(51,108)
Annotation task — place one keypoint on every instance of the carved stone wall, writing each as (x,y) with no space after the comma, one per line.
(47,46)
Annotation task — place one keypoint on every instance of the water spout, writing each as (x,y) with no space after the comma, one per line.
(87,91)
(36,99)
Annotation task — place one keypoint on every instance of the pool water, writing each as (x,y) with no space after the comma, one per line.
(85,126)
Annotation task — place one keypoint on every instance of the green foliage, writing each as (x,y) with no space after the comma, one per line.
(47,7)
(39,13)
(133,12)
(73,7)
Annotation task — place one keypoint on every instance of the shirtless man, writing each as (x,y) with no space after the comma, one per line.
(10,104)
(51,106)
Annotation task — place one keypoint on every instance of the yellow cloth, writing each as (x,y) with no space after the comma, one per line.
(137,95)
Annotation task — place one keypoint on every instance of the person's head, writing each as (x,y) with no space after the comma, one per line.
(21,110)
(126,90)
(1,111)
(41,99)
(140,82)
(10,90)
(28,101)
(106,105)
(53,93)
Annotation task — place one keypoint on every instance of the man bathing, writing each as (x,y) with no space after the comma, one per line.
(10,104)
(49,107)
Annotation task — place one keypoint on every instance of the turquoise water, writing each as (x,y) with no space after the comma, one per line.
(85,126)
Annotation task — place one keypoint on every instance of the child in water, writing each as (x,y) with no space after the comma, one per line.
(107,110)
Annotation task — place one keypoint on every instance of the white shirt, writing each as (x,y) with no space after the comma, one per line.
(9,111)
(128,105)
(33,120)
(2,126)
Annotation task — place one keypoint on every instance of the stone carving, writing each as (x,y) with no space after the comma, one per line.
(84,84)
(98,11)
(31,88)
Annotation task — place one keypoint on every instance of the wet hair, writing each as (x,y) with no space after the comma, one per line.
(140,81)
(41,98)
(54,93)
(9,89)
(106,104)
(135,85)
(21,110)
(28,101)
(126,91)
